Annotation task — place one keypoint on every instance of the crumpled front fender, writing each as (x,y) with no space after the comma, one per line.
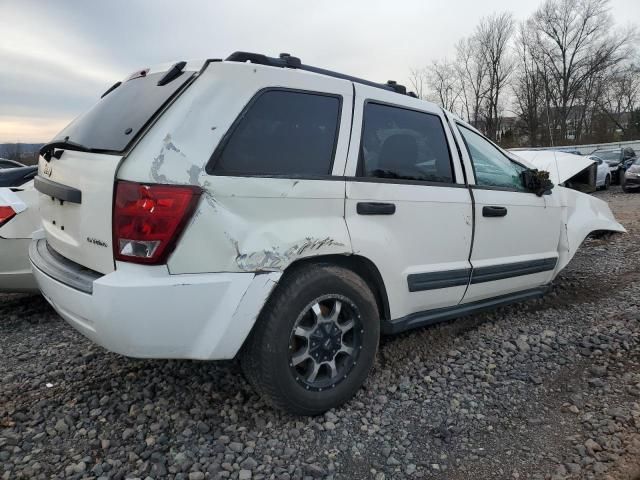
(582,215)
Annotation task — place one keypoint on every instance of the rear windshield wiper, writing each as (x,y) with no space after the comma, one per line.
(47,150)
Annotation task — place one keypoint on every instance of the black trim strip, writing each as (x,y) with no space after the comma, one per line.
(393,181)
(57,190)
(430,317)
(399,181)
(455,141)
(501,189)
(419,282)
(61,269)
(518,269)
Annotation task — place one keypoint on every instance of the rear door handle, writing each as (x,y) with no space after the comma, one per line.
(375,208)
(492,211)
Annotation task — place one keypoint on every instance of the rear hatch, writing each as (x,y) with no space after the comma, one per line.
(78,167)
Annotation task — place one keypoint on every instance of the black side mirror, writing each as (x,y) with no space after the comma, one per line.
(537,181)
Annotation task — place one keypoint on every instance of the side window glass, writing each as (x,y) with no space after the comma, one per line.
(404,144)
(283,133)
(491,167)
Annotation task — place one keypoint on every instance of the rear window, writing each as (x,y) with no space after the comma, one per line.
(113,122)
(282,132)
(608,154)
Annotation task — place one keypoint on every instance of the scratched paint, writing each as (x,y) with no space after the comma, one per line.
(158,161)
(277,258)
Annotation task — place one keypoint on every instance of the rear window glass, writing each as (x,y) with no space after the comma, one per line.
(116,119)
(608,154)
(282,132)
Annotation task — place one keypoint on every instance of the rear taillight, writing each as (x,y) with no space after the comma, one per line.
(6,214)
(148,219)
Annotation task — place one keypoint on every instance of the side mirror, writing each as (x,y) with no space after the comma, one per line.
(537,181)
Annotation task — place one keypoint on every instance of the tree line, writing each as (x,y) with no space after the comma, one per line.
(566,75)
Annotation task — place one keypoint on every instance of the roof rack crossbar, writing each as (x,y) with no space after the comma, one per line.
(287,61)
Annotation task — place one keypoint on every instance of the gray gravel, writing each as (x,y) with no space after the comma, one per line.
(549,389)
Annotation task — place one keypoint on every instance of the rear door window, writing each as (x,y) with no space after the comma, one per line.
(114,122)
(282,132)
(403,144)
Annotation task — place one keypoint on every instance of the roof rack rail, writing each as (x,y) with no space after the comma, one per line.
(286,60)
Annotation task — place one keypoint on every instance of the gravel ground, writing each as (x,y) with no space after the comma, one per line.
(545,389)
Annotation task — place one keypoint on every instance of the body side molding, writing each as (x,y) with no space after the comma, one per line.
(429,281)
(500,272)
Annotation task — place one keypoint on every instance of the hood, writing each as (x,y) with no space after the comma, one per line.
(561,166)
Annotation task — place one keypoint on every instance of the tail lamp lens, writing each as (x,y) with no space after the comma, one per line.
(148,219)
(6,214)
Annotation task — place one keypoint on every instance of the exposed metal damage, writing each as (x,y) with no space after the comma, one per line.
(276,259)
(158,161)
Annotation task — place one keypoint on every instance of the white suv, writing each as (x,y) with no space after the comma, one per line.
(262,208)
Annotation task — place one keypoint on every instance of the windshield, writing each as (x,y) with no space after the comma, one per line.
(115,121)
(608,155)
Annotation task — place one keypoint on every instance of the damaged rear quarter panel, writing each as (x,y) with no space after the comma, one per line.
(242,224)
(253,224)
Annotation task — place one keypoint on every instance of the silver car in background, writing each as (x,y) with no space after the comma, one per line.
(603,177)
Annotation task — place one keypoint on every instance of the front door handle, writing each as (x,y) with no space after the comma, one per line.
(375,208)
(492,211)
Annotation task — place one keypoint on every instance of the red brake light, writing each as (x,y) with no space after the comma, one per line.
(6,214)
(148,219)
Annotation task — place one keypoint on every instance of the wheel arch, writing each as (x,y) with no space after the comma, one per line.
(358,264)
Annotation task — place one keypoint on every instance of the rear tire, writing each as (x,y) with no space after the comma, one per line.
(315,340)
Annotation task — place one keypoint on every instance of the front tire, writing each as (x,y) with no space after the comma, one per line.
(315,340)
(607,182)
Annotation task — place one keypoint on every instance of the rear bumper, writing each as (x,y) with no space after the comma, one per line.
(145,312)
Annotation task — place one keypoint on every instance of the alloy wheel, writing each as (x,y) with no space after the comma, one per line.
(325,342)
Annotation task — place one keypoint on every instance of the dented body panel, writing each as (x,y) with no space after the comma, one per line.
(263,224)
(582,214)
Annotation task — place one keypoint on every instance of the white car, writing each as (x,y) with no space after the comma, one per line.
(603,179)
(287,214)
(18,220)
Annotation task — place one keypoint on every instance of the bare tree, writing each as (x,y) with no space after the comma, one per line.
(622,95)
(472,74)
(528,86)
(442,81)
(418,81)
(574,43)
(568,73)
(494,34)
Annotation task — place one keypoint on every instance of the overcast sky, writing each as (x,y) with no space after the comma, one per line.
(56,58)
